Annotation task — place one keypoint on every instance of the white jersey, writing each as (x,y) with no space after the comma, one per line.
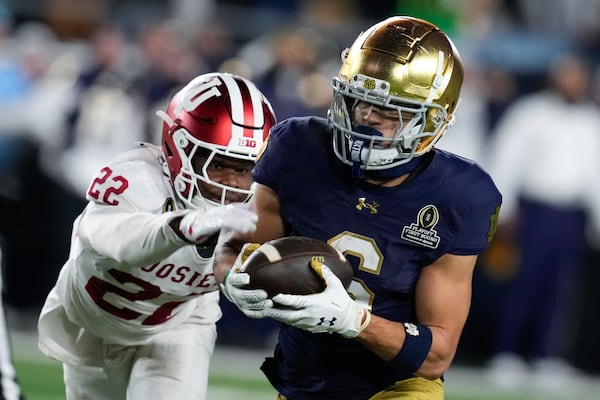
(129,276)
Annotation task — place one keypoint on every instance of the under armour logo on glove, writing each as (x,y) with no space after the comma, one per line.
(345,316)
(322,320)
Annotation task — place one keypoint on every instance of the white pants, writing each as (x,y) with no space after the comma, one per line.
(175,366)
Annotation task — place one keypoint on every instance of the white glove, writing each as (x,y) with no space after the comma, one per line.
(332,310)
(197,226)
(249,301)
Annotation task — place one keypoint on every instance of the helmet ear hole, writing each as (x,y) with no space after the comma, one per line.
(180,139)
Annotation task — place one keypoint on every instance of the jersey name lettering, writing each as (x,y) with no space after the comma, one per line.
(181,274)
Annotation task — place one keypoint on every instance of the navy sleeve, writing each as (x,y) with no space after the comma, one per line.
(479,218)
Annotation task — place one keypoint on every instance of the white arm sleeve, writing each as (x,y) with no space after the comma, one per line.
(130,238)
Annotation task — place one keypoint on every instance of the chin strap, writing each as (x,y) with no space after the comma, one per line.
(396,171)
(357,171)
(357,149)
(357,154)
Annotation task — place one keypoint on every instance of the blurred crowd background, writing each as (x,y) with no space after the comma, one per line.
(80,81)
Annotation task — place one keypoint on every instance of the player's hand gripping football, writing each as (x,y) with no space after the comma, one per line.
(332,310)
(197,226)
(249,301)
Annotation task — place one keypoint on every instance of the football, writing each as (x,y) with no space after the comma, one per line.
(283,266)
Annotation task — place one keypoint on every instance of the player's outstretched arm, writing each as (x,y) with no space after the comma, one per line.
(269,226)
(196,226)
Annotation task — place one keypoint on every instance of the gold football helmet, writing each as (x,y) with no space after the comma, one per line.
(404,66)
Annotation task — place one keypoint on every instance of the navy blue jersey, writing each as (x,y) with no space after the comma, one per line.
(388,233)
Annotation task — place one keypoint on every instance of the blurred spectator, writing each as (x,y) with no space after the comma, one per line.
(481,19)
(13,80)
(168,62)
(193,13)
(104,119)
(579,19)
(71,117)
(21,179)
(297,66)
(338,20)
(500,91)
(487,91)
(9,385)
(213,43)
(15,150)
(469,132)
(545,159)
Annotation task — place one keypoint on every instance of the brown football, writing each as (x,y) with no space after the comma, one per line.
(283,266)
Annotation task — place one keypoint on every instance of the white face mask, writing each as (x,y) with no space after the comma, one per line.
(187,182)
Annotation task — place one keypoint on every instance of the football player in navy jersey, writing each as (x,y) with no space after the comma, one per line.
(410,218)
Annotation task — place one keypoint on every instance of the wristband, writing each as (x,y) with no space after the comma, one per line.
(415,349)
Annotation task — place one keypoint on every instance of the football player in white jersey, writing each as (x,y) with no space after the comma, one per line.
(133,312)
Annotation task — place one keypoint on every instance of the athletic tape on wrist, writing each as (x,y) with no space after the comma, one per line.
(365,323)
(415,349)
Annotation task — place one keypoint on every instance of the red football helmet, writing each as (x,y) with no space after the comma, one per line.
(215,114)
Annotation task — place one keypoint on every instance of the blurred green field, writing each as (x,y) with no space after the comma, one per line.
(235,375)
(42,380)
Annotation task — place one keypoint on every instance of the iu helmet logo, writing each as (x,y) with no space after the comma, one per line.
(196,95)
